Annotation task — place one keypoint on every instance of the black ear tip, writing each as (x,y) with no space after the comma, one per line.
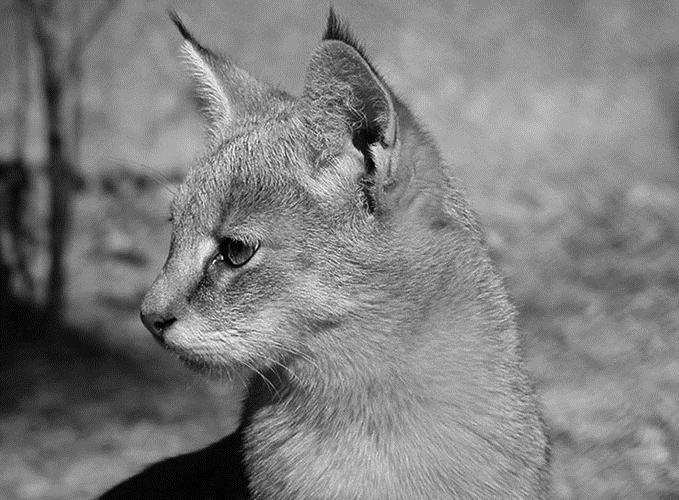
(174,17)
(337,29)
(333,26)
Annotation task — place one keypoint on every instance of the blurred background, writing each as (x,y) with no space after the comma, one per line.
(560,116)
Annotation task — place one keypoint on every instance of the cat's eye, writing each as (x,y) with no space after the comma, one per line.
(235,253)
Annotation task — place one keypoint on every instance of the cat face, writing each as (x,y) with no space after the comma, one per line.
(262,252)
(278,232)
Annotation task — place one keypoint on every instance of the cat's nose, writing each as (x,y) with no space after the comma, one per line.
(156,323)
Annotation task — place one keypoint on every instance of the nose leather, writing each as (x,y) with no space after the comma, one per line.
(156,323)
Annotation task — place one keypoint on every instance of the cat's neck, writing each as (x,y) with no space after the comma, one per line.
(370,372)
(391,408)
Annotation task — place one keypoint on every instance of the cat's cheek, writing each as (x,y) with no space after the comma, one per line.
(203,349)
(189,332)
(184,335)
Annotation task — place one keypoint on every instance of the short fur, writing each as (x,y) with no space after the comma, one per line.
(382,352)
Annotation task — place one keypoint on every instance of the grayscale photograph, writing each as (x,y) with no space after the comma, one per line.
(300,250)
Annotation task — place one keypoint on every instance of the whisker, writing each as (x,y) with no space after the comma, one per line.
(286,368)
(289,349)
(262,353)
(264,378)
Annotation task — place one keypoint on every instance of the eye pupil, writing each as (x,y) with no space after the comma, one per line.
(235,252)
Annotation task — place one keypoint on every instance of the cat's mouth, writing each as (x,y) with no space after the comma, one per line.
(202,361)
(204,366)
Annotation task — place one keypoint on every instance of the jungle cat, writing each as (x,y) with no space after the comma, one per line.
(322,249)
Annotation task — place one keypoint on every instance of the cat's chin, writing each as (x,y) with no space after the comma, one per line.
(209,369)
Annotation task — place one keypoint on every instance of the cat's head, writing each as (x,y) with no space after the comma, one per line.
(285,228)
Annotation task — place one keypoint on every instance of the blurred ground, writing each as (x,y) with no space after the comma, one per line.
(562,117)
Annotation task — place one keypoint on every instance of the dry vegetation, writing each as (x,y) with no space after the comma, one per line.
(560,116)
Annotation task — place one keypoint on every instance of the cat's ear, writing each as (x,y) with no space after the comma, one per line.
(345,90)
(223,90)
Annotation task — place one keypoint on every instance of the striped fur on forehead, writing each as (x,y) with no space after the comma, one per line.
(254,168)
(270,150)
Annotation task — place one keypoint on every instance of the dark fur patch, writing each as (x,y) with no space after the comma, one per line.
(174,17)
(183,30)
(338,29)
(213,472)
(362,139)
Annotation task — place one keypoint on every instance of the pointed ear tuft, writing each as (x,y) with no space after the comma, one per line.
(204,69)
(174,17)
(336,29)
(224,91)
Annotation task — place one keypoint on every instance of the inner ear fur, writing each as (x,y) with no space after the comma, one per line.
(225,91)
(344,89)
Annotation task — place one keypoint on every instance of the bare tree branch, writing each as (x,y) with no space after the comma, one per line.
(41,12)
(85,35)
(23,86)
(39,15)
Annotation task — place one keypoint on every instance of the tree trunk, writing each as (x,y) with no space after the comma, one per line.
(19,230)
(56,63)
(75,78)
(60,188)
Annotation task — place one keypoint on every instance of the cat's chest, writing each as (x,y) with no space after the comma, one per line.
(294,461)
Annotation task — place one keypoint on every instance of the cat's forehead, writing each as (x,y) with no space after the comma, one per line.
(250,170)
